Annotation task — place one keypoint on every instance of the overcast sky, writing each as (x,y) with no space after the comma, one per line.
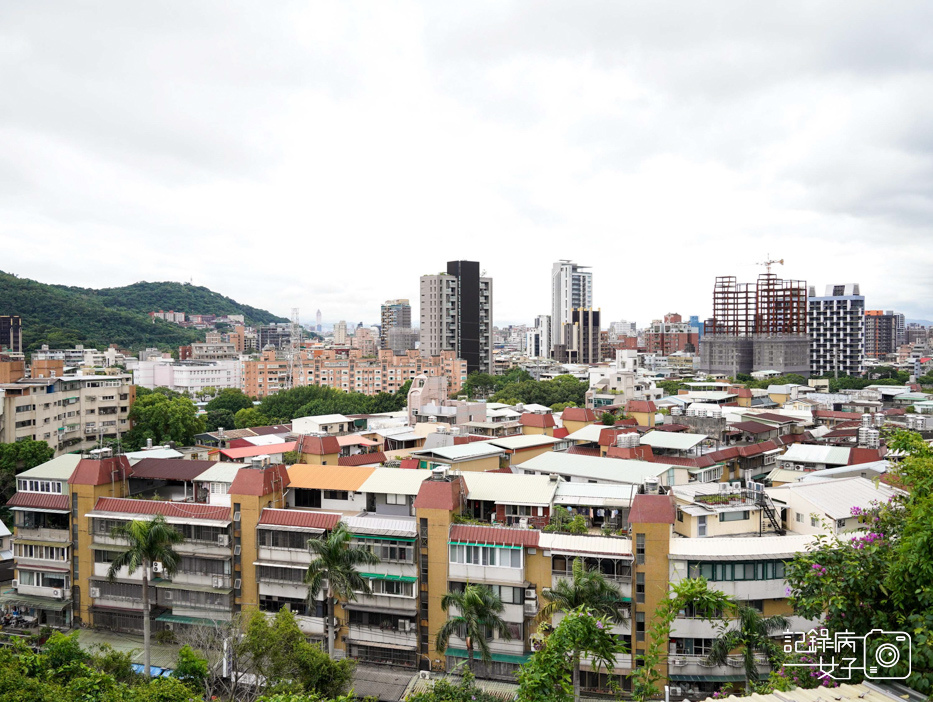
(326,155)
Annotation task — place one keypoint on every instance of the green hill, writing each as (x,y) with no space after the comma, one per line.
(62,316)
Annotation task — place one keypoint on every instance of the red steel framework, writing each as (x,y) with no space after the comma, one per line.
(771,306)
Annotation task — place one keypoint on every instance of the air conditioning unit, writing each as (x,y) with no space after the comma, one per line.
(57,594)
(169,626)
(237,584)
(531,594)
(424,674)
(95,592)
(736,486)
(223,540)
(523,522)
(157,566)
(217,581)
(677,691)
(15,584)
(404,625)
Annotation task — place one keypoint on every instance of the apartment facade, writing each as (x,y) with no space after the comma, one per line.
(456,315)
(348,370)
(571,289)
(671,335)
(580,342)
(837,330)
(394,314)
(189,377)
(11,333)
(880,333)
(68,413)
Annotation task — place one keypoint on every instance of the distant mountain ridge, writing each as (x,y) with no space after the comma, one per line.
(63,316)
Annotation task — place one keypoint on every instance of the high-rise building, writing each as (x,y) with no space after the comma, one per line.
(900,329)
(622,328)
(571,288)
(456,315)
(760,326)
(317,318)
(340,332)
(671,335)
(837,330)
(400,340)
(11,333)
(277,334)
(581,338)
(395,314)
(880,333)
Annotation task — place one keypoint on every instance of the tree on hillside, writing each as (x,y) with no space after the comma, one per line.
(881,578)
(229,399)
(252,417)
(147,542)
(216,419)
(473,614)
(17,457)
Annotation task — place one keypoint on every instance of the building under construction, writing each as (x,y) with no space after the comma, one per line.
(760,326)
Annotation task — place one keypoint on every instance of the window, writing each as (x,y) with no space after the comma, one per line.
(840,523)
(639,626)
(519,511)
(640,587)
(639,548)
(396,499)
(397,550)
(733,516)
(394,588)
(751,570)
(814,520)
(680,515)
(701,526)
(336,495)
(799,517)
(501,556)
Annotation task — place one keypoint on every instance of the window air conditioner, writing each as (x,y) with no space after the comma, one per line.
(531,594)
(223,540)
(57,594)
(217,581)
(403,624)
(95,592)
(157,566)
(15,584)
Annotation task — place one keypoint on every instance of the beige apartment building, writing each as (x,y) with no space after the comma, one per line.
(69,413)
(348,370)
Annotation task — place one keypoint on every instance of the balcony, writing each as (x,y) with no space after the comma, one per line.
(479,573)
(693,664)
(383,635)
(58,535)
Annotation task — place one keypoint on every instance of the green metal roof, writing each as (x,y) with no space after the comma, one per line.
(45,603)
(498,657)
(384,576)
(176,619)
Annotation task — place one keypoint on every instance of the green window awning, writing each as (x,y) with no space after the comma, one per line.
(384,576)
(384,538)
(497,657)
(707,678)
(34,601)
(194,621)
(463,543)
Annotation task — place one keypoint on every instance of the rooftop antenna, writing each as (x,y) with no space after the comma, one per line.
(770,262)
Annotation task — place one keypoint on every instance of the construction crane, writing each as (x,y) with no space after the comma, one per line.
(770,262)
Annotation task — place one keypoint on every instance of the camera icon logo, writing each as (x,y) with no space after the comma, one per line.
(885,650)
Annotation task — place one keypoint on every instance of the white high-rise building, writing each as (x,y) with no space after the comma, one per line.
(836,323)
(543,330)
(571,288)
(340,332)
(622,328)
(456,315)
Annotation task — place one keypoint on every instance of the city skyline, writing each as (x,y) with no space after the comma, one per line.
(595,133)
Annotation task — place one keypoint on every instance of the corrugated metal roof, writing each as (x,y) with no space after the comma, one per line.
(59,468)
(584,543)
(399,481)
(220,472)
(461,452)
(588,433)
(836,497)
(374,459)
(811,453)
(732,548)
(608,470)
(510,488)
(383,526)
(155,468)
(177,510)
(594,495)
(154,453)
(39,500)
(329,477)
(250,451)
(674,441)
(502,536)
(299,518)
(524,441)
(843,693)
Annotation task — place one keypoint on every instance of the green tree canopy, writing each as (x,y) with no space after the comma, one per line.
(472,614)
(231,400)
(17,457)
(163,419)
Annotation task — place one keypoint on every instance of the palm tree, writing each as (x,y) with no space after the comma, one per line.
(752,634)
(478,609)
(586,588)
(149,541)
(334,569)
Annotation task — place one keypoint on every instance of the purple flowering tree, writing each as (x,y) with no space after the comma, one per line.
(881,577)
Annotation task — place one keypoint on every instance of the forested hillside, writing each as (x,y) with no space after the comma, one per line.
(61,316)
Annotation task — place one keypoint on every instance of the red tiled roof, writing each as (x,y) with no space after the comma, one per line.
(362,459)
(671,427)
(832,414)
(753,427)
(578,414)
(895,411)
(627,422)
(703,461)
(652,509)
(769,445)
(640,406)
(98,472)
(838,433)
(775,417)
(741,392)
(537,420)
(170,469)
(410,463)
(638,453)
(561,433)
(318,445)
(299,518)
(269,449)
(38,500)
(440,494)
(499,536)
(259,482)
(168,509)
(274,429)
(725,454)
(584,451)
(750,451)
(864,455)
(607,436)
(469,439)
